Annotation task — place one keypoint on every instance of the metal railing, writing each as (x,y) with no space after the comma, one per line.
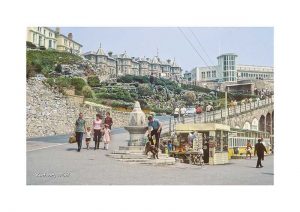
(216,115)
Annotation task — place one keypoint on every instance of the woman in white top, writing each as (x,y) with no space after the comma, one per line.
(97,126)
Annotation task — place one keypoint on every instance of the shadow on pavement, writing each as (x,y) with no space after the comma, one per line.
(71,149)
(267,173)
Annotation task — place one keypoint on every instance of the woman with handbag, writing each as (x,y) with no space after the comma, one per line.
(79,130)
(97,126)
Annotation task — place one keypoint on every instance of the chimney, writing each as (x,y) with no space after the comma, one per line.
(57,30)
(70,36)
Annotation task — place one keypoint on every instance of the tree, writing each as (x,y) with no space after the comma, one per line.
(144,90)
(93,81)
(87,92)
(190,97)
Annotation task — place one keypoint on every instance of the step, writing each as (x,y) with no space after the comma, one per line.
(165,161)
(132,148)
(127,156)
(121,152)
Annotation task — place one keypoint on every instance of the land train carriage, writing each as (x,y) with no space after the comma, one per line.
(237,141)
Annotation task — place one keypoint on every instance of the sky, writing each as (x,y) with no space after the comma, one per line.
(253,45)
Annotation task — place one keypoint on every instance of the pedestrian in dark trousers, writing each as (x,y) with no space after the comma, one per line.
(97,126)
(156,130)
(79,130)
(259,149)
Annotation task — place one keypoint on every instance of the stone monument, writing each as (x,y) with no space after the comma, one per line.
(137,126)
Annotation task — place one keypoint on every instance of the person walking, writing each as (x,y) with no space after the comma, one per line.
(259,149)
(108,120)
(156,130)
(79,130)
(97,126)
(248,149)
(176,114)
(182,113)
(106,136)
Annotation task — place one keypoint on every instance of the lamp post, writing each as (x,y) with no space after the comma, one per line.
(226,106)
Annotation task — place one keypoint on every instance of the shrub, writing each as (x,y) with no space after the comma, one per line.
(32,69)
(58,68)
(50,81)
(87,92)
(144,90)
(30,45)
(189,97)
(78,83)
(93,81)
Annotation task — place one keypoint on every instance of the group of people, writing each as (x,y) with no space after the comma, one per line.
(101,129)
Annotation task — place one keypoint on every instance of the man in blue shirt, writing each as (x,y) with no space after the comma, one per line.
(156,130)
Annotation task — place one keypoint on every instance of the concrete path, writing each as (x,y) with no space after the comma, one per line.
(53,161)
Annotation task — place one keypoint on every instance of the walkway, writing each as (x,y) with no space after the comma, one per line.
(53,161)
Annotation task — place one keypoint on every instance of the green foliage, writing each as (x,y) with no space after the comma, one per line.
(132,78)
(32,69)
(50,81)
(87,92)
(78,83)
(93,81)
(189,97)
(116,93)
(58,68)
(122,104)
(48,59)
(144,90)
(162,110)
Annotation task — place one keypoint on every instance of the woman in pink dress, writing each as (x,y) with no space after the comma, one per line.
(97,126)
(106,136)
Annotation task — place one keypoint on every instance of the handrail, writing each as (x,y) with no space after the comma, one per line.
(217,115)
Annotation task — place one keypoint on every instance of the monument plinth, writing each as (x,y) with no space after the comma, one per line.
(137,126)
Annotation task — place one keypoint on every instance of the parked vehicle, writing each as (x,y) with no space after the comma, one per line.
(190,111)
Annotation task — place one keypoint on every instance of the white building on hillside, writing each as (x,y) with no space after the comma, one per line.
(227,70)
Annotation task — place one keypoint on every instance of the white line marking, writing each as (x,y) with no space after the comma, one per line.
(45,147)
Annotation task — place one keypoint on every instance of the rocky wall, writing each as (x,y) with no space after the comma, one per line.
(49,112)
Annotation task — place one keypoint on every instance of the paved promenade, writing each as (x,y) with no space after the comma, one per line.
(53,161)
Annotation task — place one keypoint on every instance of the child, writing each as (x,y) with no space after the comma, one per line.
(88,137)
(106,136)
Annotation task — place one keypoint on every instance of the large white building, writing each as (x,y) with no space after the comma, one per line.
(228,71)
(47,38)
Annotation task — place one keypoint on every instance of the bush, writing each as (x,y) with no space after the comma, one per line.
(144,90)
(78,83)
(50,81)
(58,68)
(32,69)
(30,45)
(93,81)
(87,92)
(189,97)
(48,58)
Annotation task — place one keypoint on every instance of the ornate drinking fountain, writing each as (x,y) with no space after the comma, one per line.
(137,126)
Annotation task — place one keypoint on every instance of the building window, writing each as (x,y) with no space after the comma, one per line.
(214,74)
(208,74)
(50,43)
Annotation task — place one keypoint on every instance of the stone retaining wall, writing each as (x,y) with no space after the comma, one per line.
(49,112)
